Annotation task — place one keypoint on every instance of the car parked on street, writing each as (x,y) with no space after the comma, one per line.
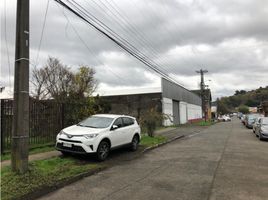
(243,119)
(226,118)
(99,134)
(250,119)
(255,124)
(262,128)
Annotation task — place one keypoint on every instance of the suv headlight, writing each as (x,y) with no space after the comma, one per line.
(92,135)
(61,132)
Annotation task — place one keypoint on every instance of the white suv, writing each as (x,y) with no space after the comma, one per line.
(99,134)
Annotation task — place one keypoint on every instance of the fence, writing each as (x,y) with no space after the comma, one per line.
(47,118)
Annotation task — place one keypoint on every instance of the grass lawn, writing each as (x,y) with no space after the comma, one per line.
(151,141)
(7,156)
(205,123)
(41,173)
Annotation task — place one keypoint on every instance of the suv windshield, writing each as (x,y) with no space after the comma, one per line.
(96,122)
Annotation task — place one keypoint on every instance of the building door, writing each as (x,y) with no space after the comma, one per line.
(176,112)
(183,112)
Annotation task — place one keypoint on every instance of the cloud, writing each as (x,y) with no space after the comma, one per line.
(228,38)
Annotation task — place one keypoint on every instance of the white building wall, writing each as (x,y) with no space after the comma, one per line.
(194,111)
(183,112)
(167,111)
(186,112)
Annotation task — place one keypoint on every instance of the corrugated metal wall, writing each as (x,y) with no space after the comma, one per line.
(176,92)
(179,103)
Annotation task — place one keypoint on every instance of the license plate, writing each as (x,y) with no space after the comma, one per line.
(67,145)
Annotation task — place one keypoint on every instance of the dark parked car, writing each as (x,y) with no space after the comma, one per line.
(262,128)
(250,119)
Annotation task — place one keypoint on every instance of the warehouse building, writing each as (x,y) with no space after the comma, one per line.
(178,104)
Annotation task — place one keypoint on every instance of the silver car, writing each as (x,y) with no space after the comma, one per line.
(256,123)
(262,128)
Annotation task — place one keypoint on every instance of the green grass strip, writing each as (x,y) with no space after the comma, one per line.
(41,173)
(151,141)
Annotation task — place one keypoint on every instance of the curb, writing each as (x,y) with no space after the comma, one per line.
(162,144)
(48,189)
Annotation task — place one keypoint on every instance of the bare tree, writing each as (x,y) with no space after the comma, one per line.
(38,79)
(56,80)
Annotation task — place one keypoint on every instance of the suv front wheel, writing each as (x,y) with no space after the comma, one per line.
(103,151)
(134,143)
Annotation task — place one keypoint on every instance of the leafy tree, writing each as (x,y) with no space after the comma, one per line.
(84,83)
(241,97)
(222,107)
(243,109)
(238,92)
(252,103)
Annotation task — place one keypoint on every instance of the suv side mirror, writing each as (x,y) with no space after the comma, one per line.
(114,127)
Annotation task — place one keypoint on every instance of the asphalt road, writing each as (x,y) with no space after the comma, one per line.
(225,161)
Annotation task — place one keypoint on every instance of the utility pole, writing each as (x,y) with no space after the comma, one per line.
(20,128)
(202,92)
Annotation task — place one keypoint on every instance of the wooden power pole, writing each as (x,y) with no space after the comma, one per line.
(20,129)
(202,91)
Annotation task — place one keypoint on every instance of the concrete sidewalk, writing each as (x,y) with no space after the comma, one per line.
(38,156)
(169,133)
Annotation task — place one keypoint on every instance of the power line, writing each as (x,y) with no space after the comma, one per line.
(7,50)
(160,59)
(106,31)
(140,39)
(42,32)
(89,50)
(132,31)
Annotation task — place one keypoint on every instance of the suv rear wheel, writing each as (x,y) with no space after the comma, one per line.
(103,151)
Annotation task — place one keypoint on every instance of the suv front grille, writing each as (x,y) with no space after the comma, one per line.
(73,141)
(75,149)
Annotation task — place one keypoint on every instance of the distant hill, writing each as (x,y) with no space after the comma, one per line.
(251,98)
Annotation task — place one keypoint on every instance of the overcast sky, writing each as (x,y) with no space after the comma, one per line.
(228,38)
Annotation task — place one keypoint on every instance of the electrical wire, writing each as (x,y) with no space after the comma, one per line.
(6,44)
(90,51)
(121,42)
(131,30)
(160,59)
(42,32)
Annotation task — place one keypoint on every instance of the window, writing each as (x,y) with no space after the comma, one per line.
(128,121)
(118,122)
(96,122)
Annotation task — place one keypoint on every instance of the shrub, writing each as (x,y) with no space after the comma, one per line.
(150,119)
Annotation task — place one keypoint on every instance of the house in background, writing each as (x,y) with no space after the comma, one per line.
(177,103)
